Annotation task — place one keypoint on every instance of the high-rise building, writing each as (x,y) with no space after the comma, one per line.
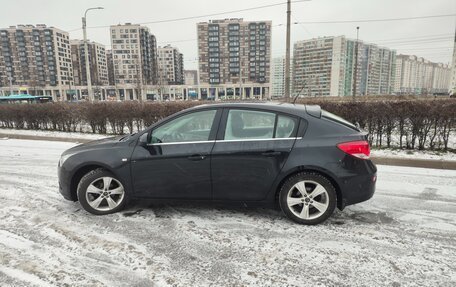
(35,56)
(170,65)
(453,69)
(110,66)
(233,51)
(326,67)
(134,52)
(191,77)
(278,77)
(418,76)
(97,62)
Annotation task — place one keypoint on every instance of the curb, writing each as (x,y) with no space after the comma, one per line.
(395,161)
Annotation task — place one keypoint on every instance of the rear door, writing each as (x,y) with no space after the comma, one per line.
(251,148)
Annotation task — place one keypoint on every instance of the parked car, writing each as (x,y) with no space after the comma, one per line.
(304,159)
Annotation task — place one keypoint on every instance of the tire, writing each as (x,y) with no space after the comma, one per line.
(315,205)
(100,192)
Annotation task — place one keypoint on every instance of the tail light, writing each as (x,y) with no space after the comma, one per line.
(359,149)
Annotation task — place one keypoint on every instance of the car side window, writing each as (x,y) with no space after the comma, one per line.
(249,124)
(286,127)
(191,127)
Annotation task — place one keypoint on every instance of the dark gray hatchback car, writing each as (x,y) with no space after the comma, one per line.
(302,158)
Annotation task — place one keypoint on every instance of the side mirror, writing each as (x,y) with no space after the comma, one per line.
(144,138)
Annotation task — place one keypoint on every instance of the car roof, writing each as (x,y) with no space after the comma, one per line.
(289,108)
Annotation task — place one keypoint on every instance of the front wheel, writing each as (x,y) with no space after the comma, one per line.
(307,198)
(100,192)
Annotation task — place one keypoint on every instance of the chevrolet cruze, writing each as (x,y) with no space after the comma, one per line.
(298,157)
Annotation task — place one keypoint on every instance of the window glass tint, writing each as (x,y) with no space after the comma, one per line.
(285,127)
(245,124)
(335,118)
(191,127)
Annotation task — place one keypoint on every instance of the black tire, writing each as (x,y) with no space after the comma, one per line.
(312,177)
(95,176)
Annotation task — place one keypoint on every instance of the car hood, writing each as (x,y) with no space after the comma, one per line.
(96,144)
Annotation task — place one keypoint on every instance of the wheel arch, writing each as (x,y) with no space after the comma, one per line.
(79,173)
(326,174)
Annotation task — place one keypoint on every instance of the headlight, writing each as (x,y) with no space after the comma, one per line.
(63,158)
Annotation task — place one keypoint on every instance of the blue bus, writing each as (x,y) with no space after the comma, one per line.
(25,98)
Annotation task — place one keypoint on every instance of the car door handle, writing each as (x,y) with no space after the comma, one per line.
(271,153)
(196,157)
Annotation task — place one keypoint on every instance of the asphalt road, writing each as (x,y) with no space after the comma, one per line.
(404,236)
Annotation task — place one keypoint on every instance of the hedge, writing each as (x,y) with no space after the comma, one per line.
(411,124)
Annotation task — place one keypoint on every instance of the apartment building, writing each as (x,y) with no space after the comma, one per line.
(134,55)
(110,67)
(326,67)
(170,66)
(453,68)
(278,77)
(35,57)
(97,62)
(318,67)
(234,51)
(418,76)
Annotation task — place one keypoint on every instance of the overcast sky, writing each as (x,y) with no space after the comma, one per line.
(430,38)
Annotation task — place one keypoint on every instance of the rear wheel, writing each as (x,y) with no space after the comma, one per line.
(100,192)
(307,198)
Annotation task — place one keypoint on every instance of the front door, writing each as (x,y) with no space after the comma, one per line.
(175,160)
(250,151)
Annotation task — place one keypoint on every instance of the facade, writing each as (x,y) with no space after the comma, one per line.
(134,55)
(97,62)
(36,57)
(191,77)
(235,52)
(418,76)
(278,77)
(453,69)
(326,67)
(170,66)
(110,67)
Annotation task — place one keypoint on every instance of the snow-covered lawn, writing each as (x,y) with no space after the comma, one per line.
(414,154)
(404,236)
(88,136)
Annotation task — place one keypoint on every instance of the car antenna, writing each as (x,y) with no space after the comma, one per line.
(297,95)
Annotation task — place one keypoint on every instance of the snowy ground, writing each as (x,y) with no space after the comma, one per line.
(414,154)
(88,136)
(404,236)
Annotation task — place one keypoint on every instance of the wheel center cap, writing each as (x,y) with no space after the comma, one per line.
(105,193)
(307,199)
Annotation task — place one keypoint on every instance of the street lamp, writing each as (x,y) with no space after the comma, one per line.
(86,51)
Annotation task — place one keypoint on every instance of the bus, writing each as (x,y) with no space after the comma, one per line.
(25,98)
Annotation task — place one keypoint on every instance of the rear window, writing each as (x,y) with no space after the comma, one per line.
(333,117)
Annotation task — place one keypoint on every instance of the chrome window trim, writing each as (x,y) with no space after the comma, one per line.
(190,142)
(217,141)
(254,140)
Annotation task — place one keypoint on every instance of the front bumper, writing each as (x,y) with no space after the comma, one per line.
(64,183)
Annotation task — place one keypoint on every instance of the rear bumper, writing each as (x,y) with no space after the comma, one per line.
(359,187)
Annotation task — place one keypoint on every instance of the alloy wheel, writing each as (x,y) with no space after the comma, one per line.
(308,199)
(105,193)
